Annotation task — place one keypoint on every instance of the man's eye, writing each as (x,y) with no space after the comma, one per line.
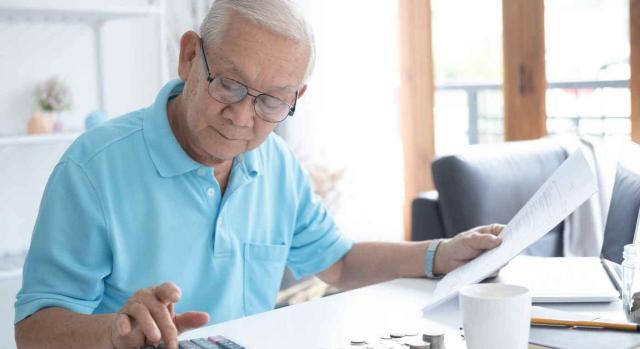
(272,102)
(229,85)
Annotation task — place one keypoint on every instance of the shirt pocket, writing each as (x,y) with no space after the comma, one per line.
(263,270)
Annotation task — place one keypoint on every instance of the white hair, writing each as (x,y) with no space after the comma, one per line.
(279,16)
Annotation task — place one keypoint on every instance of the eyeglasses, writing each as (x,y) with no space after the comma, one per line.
(228,91)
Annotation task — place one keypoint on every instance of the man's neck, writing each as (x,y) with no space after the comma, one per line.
(222,169)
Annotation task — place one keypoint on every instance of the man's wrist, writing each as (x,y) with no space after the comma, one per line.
(430,259)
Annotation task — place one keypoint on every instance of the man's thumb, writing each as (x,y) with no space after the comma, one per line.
(190,320)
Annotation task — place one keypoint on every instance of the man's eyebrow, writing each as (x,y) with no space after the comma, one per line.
(229,66)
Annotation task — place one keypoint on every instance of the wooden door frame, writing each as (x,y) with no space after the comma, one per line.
(525,82)
(634,62)
(416,100)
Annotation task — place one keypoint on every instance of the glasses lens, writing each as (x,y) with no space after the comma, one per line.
(226,90)
(271,108)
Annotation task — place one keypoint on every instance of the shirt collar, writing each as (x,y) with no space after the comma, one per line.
(166,153)
(251,162)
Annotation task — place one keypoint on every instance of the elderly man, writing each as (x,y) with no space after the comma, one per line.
(187,212)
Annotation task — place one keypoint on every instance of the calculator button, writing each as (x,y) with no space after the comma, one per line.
(205,344)
(188,345)
(225,343)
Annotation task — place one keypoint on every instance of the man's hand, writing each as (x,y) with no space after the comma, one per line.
(149,318)
(466,246)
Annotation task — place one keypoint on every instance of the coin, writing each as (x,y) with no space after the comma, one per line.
(358,341)
(436,339)
(433,337)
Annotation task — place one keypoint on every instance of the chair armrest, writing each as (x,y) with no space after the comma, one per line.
(426,222)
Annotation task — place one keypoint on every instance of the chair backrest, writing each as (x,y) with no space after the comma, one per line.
(623,214)
(490,183)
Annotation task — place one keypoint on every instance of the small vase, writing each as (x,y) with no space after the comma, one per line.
(40,122)
(58,124)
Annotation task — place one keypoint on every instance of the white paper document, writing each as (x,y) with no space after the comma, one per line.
(571,184)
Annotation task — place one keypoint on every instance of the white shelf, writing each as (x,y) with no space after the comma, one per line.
(94,16)
(40,138)
(26,12)
(11,265)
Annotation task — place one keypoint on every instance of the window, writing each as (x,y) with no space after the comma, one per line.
(467,50)
(587,67)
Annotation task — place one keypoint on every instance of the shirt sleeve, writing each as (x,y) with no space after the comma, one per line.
(69,254)
(317,242)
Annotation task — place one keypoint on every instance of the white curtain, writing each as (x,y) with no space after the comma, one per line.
(349,119)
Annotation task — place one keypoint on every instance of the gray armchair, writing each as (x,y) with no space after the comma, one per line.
(487,184)
(623,213)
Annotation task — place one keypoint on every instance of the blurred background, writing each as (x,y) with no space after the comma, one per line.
(397,83)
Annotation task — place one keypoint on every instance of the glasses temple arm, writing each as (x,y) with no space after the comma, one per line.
(204,58)
(292,110)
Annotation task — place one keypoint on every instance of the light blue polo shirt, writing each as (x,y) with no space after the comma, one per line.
(126,208)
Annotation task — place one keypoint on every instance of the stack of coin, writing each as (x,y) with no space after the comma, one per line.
(418,345)
(436,339)
(634,314)
(635,302)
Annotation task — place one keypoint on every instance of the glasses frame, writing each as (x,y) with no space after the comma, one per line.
(211,78)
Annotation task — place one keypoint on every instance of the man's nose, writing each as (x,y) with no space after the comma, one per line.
(241,114)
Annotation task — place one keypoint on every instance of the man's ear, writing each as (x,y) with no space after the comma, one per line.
(302,90)
(189,45)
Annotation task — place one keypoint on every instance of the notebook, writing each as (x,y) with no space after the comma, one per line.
(560,279)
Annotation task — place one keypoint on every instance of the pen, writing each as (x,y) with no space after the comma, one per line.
(592,324)
(636,235)
(613,275)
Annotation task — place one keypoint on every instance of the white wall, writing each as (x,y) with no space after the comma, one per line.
(31,52)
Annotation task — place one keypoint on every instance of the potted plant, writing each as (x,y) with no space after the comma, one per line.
(53,97)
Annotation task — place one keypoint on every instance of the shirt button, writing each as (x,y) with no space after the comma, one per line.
(201,171)
(211,192)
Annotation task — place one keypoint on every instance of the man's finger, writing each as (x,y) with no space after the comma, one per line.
(143,318)
(172,311)
(480,241)
(164,321)
(123,324)
(126,335)
(493,229)
(496,229)
(167,293)
(190,320)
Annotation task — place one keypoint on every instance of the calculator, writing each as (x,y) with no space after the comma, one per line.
(215,342)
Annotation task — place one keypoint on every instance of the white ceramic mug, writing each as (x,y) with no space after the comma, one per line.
(496,316)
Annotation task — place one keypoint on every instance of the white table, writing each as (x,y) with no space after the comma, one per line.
(369,312)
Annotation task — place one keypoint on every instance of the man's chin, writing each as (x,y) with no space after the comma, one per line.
(217,152)
(217,155)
